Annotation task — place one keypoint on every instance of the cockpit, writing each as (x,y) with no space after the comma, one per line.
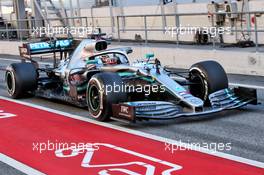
(89,52)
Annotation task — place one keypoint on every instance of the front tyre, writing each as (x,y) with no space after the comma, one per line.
(20,79)
(101,95)
(207,77)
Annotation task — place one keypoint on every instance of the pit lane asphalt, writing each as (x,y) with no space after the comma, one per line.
(242,128)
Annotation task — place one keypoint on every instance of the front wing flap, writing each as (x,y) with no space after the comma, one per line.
(226,99)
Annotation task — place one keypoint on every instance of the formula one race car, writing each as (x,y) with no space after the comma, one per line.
(104,81)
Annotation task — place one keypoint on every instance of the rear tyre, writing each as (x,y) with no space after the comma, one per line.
(20,79)
(208,77)
(99,100)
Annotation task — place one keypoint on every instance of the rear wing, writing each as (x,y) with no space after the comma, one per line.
(43,47)
(63,46)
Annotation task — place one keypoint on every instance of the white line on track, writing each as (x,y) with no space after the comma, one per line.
(19,166)
(247,86)
(142,134)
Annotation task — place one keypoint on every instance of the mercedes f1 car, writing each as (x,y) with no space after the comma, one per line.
(104,81)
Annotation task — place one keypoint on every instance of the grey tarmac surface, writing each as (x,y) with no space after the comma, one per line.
(242,128)
(7,170)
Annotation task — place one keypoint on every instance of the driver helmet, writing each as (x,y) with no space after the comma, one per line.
(107,60)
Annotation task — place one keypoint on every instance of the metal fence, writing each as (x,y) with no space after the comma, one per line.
(26,29)
(117,26)
(121,26)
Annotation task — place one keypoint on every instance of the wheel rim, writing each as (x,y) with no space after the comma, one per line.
(94,98)
(10,82)
(198,89)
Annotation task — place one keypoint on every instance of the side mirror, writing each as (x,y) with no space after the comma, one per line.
(129,51)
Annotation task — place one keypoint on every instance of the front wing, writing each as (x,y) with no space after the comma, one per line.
(226,99)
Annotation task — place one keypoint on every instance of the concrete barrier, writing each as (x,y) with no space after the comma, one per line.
(10,47)
(237,61)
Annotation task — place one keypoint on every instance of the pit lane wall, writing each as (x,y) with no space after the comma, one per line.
(235,61)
